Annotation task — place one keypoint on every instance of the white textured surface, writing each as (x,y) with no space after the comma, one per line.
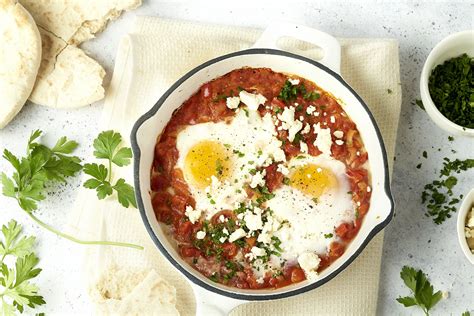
(410,239)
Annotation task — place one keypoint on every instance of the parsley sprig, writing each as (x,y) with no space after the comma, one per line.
(17,292)
(42,167)
(423,294)
(106,147)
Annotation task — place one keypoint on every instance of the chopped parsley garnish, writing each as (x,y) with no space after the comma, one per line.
(425,154)
(327,236)
(214,277)
(219,168)
(299,108)
(389,91)
(286,180)
(239,153)
(418,166)
(451,87)
(420,104)
(450,138)
(315,200)
(311,96)
(438,195)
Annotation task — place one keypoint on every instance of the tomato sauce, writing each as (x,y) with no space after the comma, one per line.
(225,263)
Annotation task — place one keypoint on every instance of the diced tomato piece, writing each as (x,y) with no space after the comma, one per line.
(336,249)
(178,203)
(346,231)
(290,150)
(184,231)
(251,241)
(226,213)
(179,184)
(297,275)
(273,178)
(189,251)
(161,198)
(159,182)
(230,250)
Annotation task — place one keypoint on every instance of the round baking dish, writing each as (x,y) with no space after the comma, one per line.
(213,297)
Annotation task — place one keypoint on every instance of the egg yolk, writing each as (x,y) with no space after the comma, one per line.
(207,159)
(313,180)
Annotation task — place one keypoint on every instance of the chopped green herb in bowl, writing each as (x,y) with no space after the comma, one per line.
(447,84)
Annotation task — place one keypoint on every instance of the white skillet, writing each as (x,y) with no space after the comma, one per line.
(217,299)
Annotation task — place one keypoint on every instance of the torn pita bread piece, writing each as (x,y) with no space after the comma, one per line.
(76,21)
(67,78)
(20,57)
(127,292)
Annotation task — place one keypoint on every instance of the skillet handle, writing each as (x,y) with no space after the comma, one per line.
(329,45)
(212,304)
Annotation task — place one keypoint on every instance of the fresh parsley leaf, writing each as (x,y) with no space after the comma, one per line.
(106,146)
(40,165)
(18,292)
(125,193)
(12,244)
(423,294)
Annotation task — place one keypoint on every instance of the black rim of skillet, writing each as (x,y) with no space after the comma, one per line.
(230,293)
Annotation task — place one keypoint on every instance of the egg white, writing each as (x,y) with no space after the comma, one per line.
(248,133)
(308,221)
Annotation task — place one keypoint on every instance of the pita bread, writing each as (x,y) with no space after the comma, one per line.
(76,21)
(127,292)
(67,78)
(20,57)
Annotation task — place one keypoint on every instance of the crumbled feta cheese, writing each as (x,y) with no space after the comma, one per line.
(200,234)
(283,170)
(470,221)
(260,280)
(332,119)
(339,142)
(309,262)
(369,189)
(310,109)
(258,179)
(358,153)
(301,118)
(339,134)
(303,147)
(258,252)
(232,102)
(253,221)
(222,239)
(221,218)
(294,82)
(252,101)
(192,214)
(225,231)
(239,233)
(265,238)
(289,123)
(323,139)
(306,129)
(316,113)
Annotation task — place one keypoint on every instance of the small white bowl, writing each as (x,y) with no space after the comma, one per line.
(466,206)
(452,46)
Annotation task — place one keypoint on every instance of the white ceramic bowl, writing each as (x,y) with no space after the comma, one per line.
(466,206)
(452,46)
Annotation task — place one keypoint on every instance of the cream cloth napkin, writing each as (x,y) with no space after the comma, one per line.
(155,54)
